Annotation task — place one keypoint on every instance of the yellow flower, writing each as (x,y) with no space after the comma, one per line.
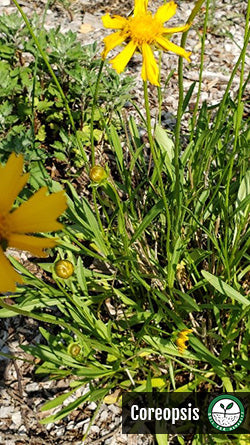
(38,214)
(181,340)
(141,31)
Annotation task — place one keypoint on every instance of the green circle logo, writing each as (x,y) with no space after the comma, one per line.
(226,413)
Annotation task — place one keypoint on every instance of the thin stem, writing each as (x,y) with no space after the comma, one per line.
(45,58)
(156,162)
(93,113)
(237,125)
(178,194)
(124,234)
(97,213)
(203,39)
(239,105)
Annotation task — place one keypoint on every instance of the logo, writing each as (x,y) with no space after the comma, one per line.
(226,413)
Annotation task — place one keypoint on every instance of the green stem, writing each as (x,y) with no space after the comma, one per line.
(93,113)
(178,194)
(124,234)
(82,247)
(222,109)
(194,117)
(46,61)
(97,213)
(239,105)
(156,163)
(237,125)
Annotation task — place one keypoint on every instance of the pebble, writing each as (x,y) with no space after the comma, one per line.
(115,409)
(83,423)
(60,431)
(22,430)
(95,429)
(30,387)
(92,406)
(104,416)
(17,419)
(5,412)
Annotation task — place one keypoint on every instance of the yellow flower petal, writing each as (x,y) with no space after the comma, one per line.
(33,244)
(165,12)
(39,213)
(150,70)
(140,7)
(112,41)
(182,28)
(12,181)
(115,22)
(120,61)
(169,46)
(8,276)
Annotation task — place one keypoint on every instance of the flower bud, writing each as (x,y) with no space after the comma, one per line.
(64,269)
(97,173)
(74,349)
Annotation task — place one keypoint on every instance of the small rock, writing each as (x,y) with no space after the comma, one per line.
(104,416)
(84,423)
(117,421)
(85,426)
(95,429)
(92,406)
(5,2)
(115,410)
(5,412)
(16,419)
(32,387)
(22,430)
(92,20)
(60,431)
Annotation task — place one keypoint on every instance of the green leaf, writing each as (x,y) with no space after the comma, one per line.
(81,277)
(224,288)
(58,400)
(151,215)
(115,141)
(162,439)
(93,395)
(167,149)
(188,96)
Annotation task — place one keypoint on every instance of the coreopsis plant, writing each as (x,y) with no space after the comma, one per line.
(38,214)
(143,31)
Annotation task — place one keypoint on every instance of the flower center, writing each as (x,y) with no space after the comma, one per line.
(4,231)
(143,29)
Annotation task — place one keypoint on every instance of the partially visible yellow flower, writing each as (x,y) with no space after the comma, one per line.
(38,214)
(181,340)
(142,31)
